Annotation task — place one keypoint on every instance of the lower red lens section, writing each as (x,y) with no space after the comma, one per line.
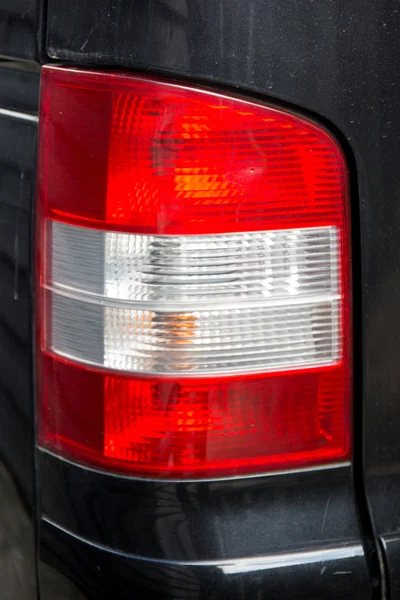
(194,428)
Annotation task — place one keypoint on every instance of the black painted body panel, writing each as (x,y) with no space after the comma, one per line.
(194,521)
(21,29)
(17,488)
(19,88)
(102,574)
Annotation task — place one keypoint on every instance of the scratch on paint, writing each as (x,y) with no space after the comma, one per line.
(86,41)
(325,514)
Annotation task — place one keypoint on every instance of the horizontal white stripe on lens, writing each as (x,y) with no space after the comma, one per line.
(185,269)
(203,342)
(196,305)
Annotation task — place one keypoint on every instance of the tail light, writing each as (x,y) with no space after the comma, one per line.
(194,286)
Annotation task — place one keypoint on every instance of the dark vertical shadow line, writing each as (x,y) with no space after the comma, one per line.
(372,547)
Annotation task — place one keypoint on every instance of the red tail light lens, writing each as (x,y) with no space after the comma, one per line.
(194,281)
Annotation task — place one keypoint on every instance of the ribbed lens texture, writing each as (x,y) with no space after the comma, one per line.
(193,293)
(193,428)
(197,269)
(221,267)
(198,343)
(282,288)
(173,160)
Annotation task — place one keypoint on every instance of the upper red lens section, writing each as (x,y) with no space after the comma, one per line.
(147,156)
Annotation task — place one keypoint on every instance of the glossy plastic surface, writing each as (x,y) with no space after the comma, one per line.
(196,428)
(196,305)
(124,153)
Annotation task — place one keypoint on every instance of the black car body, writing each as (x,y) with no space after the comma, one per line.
(70,531)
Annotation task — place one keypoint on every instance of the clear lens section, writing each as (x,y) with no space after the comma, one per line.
(206,268)
(196,305)
(198,342)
